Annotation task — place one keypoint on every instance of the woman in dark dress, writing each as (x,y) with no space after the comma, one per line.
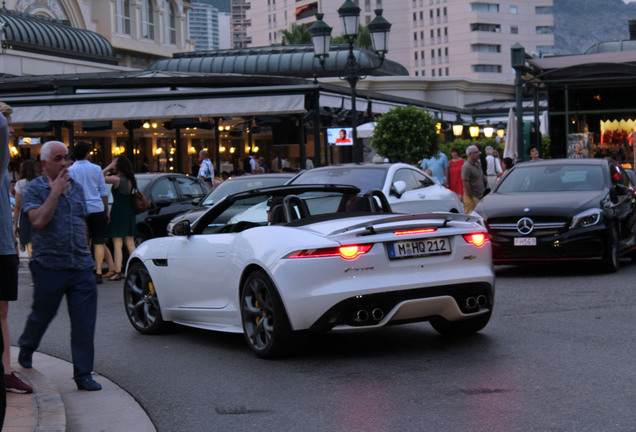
(121,227)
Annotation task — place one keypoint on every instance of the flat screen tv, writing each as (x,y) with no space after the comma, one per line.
(339,136)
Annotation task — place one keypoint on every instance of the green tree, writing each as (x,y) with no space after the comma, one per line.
(363,40)
(405,134)
(297,35)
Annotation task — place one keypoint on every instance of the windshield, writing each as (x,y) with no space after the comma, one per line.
(264,209)
(552,178)
(240,184)
(363,178)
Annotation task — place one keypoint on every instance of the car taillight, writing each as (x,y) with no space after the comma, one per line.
(348,252)
(478,239)
(415,231)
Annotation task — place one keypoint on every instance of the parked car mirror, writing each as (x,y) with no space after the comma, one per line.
(197,201)
(181,228)
(163,203)
(398,188)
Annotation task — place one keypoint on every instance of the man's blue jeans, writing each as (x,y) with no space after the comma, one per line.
(81,298)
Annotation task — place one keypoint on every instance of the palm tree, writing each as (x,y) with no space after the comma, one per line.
(362,41)
(298,35)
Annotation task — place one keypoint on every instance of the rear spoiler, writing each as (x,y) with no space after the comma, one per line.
(443,220)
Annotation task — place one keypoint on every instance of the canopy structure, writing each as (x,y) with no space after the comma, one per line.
(282,60)
(53,37)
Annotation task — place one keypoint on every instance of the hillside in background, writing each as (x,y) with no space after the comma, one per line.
(580,24)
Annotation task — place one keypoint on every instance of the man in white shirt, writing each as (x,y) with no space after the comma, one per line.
(90,176)
(206,171)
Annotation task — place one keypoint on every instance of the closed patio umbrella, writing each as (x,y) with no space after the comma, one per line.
(510,149)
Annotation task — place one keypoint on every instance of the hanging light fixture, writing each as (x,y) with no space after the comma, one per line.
(488,130)
(501,130)
(473,129)
(458,126)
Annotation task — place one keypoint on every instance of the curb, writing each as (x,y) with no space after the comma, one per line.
(51,415)
(47,412)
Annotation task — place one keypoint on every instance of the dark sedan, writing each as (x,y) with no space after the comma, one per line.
(229,187)
(562,209)
(168,195)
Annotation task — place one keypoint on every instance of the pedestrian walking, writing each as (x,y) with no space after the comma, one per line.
(21,224)
(455,173)
(437,166)
(206,170)
(9,262)
(90,176)
(473,178)
(122,227)
(61,263)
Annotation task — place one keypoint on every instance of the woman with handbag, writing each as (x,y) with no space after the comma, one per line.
(122,227)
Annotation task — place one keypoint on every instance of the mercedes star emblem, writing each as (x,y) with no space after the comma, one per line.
(525,226)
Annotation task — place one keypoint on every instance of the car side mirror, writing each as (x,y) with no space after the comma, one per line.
(197,201)
(181,228)
(398,188)
(162,203)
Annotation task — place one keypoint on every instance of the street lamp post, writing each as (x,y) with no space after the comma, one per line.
(379,29)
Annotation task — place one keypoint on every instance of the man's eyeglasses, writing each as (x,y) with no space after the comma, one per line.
(60,158)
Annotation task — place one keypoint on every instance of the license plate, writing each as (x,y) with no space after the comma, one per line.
(525,241)
(418,248)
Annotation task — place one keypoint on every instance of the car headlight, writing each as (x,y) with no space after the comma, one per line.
(587,218)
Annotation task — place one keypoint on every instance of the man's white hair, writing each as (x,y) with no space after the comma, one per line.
(45,151)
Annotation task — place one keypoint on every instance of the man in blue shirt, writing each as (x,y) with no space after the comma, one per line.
(437,166)
(61,263)
(90,176)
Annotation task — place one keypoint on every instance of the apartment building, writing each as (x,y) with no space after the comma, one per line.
(208,27)
(431,38)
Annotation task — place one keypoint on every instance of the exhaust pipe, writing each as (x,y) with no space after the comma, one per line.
(482,300)
(471,302)
(377,314)
(362,316)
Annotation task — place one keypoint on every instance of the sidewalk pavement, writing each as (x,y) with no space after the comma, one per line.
(57,406)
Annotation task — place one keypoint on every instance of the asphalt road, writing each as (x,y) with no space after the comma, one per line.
(558,355)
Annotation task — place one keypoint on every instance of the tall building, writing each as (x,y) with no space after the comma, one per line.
(241,23)
(208,27)
(430,38)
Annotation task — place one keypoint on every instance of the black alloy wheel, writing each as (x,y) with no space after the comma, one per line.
(141,302)
(265,324)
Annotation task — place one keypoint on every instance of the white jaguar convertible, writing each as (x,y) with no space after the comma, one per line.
(277,262)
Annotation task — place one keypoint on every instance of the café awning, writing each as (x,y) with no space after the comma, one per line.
(165,108)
